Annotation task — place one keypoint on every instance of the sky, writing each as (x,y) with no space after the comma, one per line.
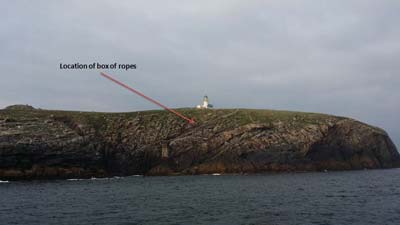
(337,57)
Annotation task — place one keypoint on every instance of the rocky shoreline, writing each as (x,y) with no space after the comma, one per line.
(48,144)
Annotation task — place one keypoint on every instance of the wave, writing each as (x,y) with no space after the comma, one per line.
(74,179)
(4,181)
(95,178)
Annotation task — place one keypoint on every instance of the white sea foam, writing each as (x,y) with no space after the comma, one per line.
(92,178)
(74,179)
(100,178)
(95,178)
(4,181)
(216,174)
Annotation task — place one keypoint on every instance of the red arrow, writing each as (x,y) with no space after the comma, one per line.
(191,121)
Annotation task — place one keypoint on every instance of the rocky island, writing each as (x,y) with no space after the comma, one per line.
(48,144)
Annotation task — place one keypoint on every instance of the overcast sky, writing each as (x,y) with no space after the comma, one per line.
(336,57)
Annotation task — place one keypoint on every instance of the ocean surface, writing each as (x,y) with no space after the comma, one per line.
(355,197)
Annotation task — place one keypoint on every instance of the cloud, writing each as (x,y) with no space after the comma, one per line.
(333,57)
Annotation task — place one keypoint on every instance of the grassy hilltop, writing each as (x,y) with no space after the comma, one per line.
(227,117)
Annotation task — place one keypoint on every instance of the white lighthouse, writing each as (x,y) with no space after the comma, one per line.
(205,104)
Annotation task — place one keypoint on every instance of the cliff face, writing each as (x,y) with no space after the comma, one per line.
(38,144)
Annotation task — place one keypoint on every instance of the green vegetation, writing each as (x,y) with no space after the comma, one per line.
(226,118)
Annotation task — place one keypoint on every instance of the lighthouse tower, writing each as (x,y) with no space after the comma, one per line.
(205,104)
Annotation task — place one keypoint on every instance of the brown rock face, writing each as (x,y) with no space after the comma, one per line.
(41,144)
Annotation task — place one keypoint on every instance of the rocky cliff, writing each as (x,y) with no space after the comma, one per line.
(37,144)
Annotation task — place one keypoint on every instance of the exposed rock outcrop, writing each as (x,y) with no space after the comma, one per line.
(38,144)
(19,107)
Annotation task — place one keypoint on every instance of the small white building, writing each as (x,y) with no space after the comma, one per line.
(205,104)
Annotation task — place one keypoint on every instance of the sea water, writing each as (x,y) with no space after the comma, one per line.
(352,197)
